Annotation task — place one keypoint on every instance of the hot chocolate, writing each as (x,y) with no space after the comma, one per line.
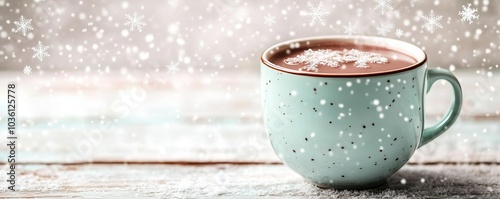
(327,100)
(341,59)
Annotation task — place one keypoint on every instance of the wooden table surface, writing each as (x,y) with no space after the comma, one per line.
(194,136)
(251,180)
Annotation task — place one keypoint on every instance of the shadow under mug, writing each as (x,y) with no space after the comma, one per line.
(354,131)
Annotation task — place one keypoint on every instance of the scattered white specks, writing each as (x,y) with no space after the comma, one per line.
(322,102)
(334,58)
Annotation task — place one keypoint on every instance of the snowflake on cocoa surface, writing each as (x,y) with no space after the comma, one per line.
(468,13)
(316,13)
(333,58)
(432,22)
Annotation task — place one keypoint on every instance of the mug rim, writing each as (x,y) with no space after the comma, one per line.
(392,44)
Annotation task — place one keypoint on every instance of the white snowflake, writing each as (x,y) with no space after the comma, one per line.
(468,13)
(173,2)
(350,29)
(333,58)
(399,33)
(23,25)
(432,22)
(383,30)
(40,51)
(217,58)
(135,22)
(316,13)
(269,20)
(383,5)
(172,67)
(225,7)
(27,70)
(412,3)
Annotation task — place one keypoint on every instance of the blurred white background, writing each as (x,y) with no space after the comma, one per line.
(90,36)
(183,85)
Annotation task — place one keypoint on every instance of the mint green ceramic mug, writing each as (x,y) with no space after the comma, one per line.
(350,131)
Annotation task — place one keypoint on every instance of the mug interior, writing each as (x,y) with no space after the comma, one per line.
(311,42)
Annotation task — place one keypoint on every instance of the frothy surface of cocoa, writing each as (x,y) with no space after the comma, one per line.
(395,60)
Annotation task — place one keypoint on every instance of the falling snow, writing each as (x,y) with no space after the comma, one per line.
(172,67)
(432,22)
(269,20)
(333,58)
(316,13)
(27,70)
(23,25)
(134,22)
(94,38)
(383,5)
(399,33)
(383,30)
(173,2)
(217,58)
(40,51)
(350,29)
(468,13)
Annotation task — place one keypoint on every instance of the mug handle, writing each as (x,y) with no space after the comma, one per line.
(433,132)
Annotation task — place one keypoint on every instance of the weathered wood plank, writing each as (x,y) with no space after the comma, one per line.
(202,118)
(194,97)
(180,181)
(466,141)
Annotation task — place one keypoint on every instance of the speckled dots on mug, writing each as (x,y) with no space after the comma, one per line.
(344,132)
